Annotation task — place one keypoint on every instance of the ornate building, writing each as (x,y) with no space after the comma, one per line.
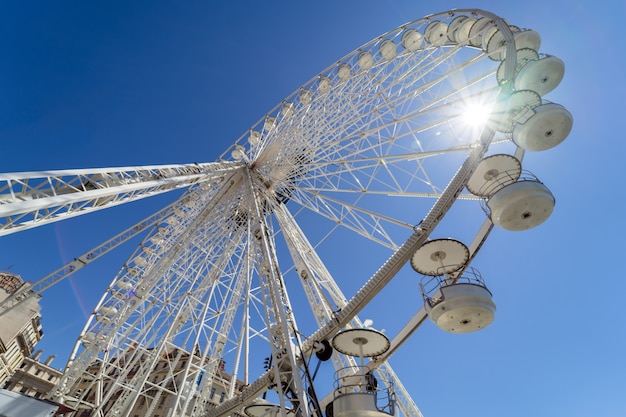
(34,378)
(20,327)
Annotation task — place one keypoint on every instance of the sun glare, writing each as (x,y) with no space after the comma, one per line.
(476,114)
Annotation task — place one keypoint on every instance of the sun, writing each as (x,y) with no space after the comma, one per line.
(475,114)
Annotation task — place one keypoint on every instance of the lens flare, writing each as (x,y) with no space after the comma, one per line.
(476,114)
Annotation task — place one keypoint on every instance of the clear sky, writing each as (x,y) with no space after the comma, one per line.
(141,83)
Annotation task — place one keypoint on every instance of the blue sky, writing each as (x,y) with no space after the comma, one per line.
(142,83)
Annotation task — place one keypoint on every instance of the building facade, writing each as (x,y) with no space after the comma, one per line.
(34,378)
(20,327)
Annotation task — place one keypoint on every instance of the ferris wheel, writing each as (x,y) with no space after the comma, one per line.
(412,144)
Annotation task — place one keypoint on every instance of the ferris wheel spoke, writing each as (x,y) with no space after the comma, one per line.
(133,284)
(369,224)
(369,114)
(380,110)
(401,256)
(383,176)
(205,324)
(325,297)
(218,341)
(86,258)
(167,327)
(279,320)
(204,327)
(391,91)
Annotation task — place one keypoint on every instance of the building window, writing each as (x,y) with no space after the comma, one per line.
(212,393)
(222,397)
(24,344)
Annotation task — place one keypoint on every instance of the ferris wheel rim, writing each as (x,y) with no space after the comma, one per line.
(323,75)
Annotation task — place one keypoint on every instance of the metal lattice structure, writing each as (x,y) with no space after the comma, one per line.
(377,145)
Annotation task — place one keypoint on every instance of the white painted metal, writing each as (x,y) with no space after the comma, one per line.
(492,173)
(323,293)
(463,308)
(547,127)
(361,343)
(207,287)
(32,199)
(523,56)
(358,404)
(83,260)
(265,410)
(440,256)
(540,75)
(521,205)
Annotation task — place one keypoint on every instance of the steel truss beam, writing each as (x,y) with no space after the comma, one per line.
(31,199)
